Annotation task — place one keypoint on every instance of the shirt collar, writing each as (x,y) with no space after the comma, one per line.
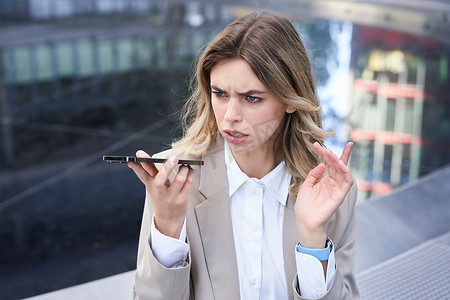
(276,181)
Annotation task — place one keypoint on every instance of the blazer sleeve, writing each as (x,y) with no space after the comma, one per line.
(153,281)
(342,230)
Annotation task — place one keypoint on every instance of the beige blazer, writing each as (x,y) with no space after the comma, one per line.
(211,271)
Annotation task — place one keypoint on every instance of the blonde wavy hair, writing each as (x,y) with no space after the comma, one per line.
(269,43)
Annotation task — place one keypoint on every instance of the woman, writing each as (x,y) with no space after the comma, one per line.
(259,220)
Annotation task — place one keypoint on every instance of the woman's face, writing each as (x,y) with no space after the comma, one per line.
(247,113)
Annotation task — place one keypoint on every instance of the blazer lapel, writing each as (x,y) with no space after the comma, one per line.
(289,242)
(214,222)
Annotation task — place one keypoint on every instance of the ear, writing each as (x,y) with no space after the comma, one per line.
(290,109)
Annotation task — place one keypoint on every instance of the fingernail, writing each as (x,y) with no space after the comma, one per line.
(173,159)
(130,166)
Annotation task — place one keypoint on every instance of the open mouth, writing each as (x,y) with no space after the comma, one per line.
(235,137)
(235,133)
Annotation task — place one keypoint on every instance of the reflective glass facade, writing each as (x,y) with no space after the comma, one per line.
(400,108)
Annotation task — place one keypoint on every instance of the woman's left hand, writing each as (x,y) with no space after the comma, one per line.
(318,198)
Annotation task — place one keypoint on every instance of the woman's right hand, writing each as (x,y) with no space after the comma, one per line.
(169,198)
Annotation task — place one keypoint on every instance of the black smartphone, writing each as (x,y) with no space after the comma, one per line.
(126,159)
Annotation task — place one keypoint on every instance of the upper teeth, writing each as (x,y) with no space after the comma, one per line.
(235,134)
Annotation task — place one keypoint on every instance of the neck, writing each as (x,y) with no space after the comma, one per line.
(257,163)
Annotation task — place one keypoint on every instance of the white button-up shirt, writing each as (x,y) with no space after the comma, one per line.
(257,212)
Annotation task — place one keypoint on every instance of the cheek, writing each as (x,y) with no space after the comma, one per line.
(218,112)
(265,124)
(266,117)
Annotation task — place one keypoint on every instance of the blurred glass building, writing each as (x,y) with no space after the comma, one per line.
(400,116)
(80,79)
(81,61)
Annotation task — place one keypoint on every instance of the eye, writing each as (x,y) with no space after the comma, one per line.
(219,94)
(253,99)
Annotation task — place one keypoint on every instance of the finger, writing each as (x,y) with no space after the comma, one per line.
(187,185)
(179,180)
(314,175)
(325,153)
(346,152)
(329,158)
(141,173)
(162,177)
(333,164)
(346,172)
(319,149)
(330,154)
(149,167)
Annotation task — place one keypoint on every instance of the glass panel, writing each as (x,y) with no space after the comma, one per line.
(22,67)
(370,112)
(387,164)
(44,62)
(126,54)
(409,116)
(105,55)
(146,52)
(406,164)
(85,55)
(390,118)
(65,61)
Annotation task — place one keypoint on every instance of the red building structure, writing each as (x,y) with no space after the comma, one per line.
(400,109)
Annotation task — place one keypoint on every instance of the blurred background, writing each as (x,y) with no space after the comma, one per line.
(84,78)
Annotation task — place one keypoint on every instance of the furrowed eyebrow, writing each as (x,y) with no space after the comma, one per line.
(213,87)
(246,93)
(251,92)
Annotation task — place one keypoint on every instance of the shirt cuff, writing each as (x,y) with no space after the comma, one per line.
(170,252)
(311,279)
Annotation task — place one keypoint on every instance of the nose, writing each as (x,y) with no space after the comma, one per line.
(234,110)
